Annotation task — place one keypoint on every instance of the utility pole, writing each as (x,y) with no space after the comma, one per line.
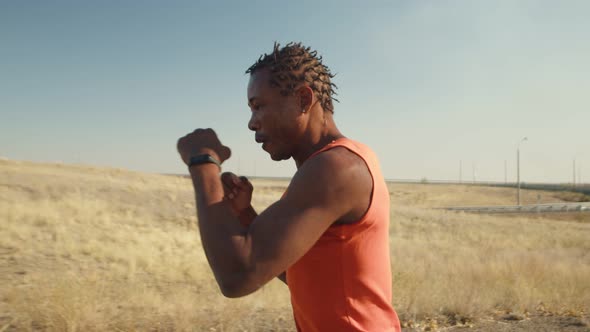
(518,175)
(574,183)
(518,170)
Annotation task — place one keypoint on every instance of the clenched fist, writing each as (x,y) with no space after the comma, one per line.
(237,191)
(202,141)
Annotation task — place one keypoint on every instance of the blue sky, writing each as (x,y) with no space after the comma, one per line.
(427,84)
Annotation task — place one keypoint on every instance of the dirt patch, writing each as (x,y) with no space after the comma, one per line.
(513,323)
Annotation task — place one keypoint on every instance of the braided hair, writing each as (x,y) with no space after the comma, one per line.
(295,64)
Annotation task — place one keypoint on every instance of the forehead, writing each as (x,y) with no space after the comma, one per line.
(259,85)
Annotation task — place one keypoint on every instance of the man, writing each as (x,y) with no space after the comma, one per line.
(327,238)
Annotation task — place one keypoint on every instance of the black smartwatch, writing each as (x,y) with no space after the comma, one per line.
(203,159)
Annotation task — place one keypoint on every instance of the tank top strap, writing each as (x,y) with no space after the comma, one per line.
(343,141)
(372,164)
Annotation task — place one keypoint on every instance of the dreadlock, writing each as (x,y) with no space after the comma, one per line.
(294,65)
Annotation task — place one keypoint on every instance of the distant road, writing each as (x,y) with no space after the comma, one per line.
(583,188)
(532,208)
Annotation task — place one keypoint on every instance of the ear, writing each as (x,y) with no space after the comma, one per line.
(305,94)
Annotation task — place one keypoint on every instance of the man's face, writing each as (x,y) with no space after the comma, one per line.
(275,118)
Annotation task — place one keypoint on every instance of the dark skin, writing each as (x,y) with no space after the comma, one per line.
(332,188)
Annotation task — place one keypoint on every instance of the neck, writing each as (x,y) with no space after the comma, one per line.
(315,142)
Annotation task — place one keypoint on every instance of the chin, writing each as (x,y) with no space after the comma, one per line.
(278,156)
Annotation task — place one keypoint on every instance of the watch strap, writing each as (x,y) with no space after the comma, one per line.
(203,159)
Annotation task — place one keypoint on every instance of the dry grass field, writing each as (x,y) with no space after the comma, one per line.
(98,249)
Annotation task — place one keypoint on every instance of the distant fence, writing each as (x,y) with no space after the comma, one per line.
(581,188)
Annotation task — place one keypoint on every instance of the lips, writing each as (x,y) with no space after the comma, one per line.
(260,139)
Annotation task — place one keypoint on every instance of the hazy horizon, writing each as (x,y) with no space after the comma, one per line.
(428,85)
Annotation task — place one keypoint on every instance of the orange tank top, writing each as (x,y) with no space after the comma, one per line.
(343,283)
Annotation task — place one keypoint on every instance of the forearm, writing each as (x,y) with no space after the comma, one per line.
(222,236)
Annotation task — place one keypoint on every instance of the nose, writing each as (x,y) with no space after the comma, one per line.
(253,124)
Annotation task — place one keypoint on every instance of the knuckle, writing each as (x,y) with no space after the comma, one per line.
(180,142)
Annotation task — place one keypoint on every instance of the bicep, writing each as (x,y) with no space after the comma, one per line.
(283,233)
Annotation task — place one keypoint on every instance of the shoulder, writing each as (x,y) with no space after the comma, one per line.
(335,176)
(339,162)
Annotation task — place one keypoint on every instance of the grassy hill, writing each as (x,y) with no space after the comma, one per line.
(101,249)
